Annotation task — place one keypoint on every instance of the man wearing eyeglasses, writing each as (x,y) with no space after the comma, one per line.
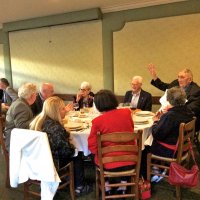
(185,81)
(137,97)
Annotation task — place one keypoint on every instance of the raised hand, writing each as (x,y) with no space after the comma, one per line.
(152,70)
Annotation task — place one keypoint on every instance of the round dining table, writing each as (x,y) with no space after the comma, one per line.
(79,125)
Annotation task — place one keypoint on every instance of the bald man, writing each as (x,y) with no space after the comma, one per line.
(46,91)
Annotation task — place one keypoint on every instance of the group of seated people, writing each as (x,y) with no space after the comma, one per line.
(44,112)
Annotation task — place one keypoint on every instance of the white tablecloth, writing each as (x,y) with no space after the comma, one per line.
(79,138)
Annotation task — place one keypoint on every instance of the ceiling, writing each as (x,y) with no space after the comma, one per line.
(14,10)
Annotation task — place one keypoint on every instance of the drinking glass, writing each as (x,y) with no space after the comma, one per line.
(76,106)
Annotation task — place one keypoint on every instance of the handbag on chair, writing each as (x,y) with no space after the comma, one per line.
(179,175)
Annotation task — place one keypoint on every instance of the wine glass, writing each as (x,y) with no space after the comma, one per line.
(76,106)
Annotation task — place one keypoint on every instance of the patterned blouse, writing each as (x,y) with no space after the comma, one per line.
(61,148)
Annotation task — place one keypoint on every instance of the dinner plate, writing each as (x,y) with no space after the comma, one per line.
(73,125)
(140,120)
(144,113)
(140,123)
(82,116)
(73,114)
(75,129)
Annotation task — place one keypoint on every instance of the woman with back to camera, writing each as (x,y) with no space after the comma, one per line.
(165,129)
(110,120)
(50,121)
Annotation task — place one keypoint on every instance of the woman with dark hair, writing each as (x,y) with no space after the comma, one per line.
(110,120)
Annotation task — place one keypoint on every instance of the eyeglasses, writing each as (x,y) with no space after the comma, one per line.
(83,90)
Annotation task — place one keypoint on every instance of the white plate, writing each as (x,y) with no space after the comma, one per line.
(73,114)
(140,120)
(83,116)
(75,129)
(73,125)
(144,113)
(140,123)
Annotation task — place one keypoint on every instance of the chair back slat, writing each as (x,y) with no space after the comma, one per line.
(119,137)
(122,158)
(120,143)
(115,148)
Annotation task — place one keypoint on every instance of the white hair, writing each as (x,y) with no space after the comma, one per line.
(86,85)
(138,78)
(26,90)
(49,86)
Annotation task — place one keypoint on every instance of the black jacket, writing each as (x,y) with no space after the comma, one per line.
(192,92)
(144,102)
(166,130)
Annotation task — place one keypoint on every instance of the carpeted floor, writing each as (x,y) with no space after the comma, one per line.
(160,191)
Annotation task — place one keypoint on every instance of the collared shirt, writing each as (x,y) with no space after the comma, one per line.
(41,97)
(4,97)
(134,100)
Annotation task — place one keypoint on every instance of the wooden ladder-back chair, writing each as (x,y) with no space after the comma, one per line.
(31,163)
(123,142)
(4,151)
(66,175)
(186,130)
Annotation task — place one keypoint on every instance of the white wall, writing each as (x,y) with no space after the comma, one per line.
(64,55)
(171,43)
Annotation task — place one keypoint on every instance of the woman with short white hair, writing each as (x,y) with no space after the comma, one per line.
(84,97)
(19,114)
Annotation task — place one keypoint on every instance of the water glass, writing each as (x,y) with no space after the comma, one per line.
(76,106)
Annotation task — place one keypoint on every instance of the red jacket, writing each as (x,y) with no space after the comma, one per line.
(117,120)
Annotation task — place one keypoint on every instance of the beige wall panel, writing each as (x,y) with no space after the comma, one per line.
(2,68)
(65,55)
(171,43)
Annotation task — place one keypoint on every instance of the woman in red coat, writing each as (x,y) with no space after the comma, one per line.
(110,120)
